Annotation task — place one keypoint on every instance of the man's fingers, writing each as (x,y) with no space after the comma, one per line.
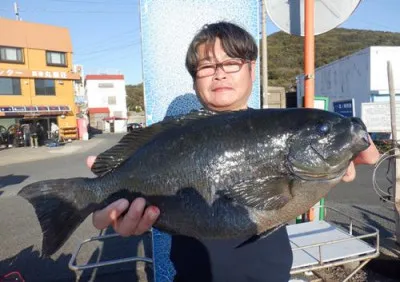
(127,225)
(109,215)
(350,173)
(149,218)
(90,161)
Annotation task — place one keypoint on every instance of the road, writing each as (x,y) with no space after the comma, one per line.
(21,235)
(20,231)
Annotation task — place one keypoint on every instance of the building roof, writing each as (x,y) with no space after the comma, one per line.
(104,77)
(34,36)
(99,110)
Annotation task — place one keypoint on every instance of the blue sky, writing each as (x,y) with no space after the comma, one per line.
(106,33)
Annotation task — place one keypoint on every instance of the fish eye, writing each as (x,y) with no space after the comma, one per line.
(323,128)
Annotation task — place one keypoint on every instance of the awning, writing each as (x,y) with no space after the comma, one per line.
(34,110)
(114,118)
(99,110)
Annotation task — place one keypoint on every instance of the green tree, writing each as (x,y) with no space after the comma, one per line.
(134,97)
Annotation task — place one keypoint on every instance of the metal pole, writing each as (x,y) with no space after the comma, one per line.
(396,170)
(309,56)
(264,54)
(309,66)
(16,11)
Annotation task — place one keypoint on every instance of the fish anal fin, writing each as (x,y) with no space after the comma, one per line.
(257,237)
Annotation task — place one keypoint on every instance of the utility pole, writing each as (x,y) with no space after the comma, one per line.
(309,54)
(396,170)
(309,77)
(264,70)
(16,11)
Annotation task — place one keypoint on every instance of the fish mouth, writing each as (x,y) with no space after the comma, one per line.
(315,176)
(305,173)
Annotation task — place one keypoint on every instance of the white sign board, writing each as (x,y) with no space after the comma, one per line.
(376,116)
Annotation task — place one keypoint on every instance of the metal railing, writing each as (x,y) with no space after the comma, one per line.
(356,258)
(75,267)
(321,264)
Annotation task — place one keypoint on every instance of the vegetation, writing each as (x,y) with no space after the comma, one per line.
(285,52)
(134,97)
(285,56)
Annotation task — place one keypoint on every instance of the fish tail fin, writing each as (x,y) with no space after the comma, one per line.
(60,206)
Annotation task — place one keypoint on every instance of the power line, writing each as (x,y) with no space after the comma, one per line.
(95,54)
(110,39)
(78,1)
(94,2)
(107,49)
(78,11)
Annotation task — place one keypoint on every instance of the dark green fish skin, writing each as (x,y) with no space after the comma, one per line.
(229,175)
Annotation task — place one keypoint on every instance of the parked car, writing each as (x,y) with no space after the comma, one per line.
(133,125)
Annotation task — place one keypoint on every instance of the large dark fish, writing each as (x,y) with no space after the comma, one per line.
(229,175)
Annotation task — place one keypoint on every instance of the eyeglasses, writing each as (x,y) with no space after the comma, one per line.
(228,66)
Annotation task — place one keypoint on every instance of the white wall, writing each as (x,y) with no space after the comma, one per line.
(98,96)
(343,79)
(120,126)
(379,79)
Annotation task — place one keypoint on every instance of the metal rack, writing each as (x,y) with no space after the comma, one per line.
(322,244)
(315,245)
(75,267)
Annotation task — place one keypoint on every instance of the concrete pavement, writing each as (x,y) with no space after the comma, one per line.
(20,231)
(26,154)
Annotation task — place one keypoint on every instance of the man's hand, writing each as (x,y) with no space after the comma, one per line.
(134,222)
(369,156)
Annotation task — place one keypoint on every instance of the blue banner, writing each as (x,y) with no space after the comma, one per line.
(167,28)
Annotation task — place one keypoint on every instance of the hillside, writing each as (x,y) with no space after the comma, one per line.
(285,52)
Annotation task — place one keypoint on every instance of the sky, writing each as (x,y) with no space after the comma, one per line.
(106,33)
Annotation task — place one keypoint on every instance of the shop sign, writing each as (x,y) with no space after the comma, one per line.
(39,74)
(50,74)
(19,109)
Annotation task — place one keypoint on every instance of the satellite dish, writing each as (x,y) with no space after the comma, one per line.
(288,15)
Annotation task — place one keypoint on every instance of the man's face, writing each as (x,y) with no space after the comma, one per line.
(223,91)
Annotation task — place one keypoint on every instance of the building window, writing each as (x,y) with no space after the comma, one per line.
(106,85)
(11,55)
(112,100)
(56,58)
(10,86)
(45,87)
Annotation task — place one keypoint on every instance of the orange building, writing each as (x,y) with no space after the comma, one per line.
(37,76)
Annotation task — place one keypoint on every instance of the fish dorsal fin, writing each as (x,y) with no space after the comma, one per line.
(262,194)
(127,146)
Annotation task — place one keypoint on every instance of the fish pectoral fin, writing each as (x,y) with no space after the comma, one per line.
(131,142)
(262,194)
(257,237)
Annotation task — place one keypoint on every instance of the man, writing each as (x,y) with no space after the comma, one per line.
(27,134)
(221,60)
(34,134)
